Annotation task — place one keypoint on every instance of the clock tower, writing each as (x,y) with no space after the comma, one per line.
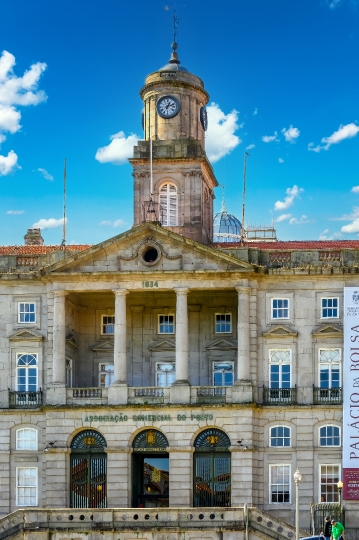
(173,179)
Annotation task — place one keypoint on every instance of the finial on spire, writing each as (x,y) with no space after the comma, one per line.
(176,20)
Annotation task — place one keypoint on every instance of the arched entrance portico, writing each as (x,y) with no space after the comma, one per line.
(150,470)
(88,470)
(212,469)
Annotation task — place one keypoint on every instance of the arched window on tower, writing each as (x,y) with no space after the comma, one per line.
(169,204)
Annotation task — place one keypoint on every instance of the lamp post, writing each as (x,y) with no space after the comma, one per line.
(297,479)
(340,487)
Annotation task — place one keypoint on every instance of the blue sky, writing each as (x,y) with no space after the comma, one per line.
(283,76)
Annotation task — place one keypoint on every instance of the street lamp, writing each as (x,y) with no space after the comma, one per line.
(340,487)
(297,479)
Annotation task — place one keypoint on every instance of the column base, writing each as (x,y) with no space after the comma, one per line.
(180,392)
(118,394)
(56,394)
(242,392)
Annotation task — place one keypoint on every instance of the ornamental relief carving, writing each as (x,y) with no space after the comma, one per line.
(150,242)
(139,175)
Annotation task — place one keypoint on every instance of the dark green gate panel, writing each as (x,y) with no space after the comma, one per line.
(88,482)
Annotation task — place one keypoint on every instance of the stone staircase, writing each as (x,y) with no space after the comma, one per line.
(244,523)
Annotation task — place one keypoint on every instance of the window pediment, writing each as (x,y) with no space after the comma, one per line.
(70,340)
(280,331)
(328,331)
(222,345)
(26,335)
(103,346)
(163,345)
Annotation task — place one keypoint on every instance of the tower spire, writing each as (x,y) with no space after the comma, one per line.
(176,21)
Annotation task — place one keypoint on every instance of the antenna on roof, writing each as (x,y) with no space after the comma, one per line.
(63,243)
(246,155)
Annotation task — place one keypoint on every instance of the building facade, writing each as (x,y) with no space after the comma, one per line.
(159,369)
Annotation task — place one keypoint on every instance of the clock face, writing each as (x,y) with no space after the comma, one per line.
(204,118)
(168,106)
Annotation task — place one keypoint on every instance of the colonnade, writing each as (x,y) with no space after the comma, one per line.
(120,331)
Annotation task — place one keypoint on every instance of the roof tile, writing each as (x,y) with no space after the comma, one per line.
(39,250)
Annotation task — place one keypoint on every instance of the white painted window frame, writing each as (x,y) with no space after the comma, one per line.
(273,299)
(158,324)
(330,445)
(271,466)
(322,308)
(320,476)
(290,436)
(19,312)
(18,487)
(21,430)
(102,325)
(230,322)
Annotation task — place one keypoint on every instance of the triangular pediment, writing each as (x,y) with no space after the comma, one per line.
(222,345)
(70,340)
(328,331)
(26,335)
(280,331)
(164,345)
(125,253)
(103,346)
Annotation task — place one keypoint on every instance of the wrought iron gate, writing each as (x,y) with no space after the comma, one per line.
(212,468)
(88,471)
(319,511)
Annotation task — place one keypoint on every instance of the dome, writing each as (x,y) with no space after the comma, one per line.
(226,227)
(173,63)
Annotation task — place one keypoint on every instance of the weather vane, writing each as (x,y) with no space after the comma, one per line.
(176,22)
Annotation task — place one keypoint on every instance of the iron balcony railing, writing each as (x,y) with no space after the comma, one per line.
(280,396)
(25,400)
(329,396)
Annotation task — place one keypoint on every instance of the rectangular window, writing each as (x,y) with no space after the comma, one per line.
(166,324)
(165,374)
(108,325)
(280,368)
(330,308)
(280,308)
(26,486)
(27,312)
(329,478)
(223,374)
(107,375)
(329,368)
(279,483)
(223,323)
(26,439)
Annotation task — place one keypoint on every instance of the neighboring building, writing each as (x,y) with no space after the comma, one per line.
(160,369)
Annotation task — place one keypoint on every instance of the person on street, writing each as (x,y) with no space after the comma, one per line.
(327,528)
(337,530)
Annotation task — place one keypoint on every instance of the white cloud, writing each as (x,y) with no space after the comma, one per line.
(119,149)
(116,223)
(355,189)
(17,91)
(352,227)
(324,235)
(50,223)
(15,212)
(303,219)
(45,174)
(354,214)
(255,111)
(283,217)
(344,132)
(270,138)
(281,160)
(291,134)
(221,138)
(250,147)
(8,163)
(292,193)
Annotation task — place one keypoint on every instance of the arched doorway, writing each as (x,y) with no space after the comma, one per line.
(150,470)
(212,469)
(88,470)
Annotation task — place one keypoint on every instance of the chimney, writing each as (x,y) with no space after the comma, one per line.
(33,237)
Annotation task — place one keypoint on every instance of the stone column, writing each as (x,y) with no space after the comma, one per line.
(56,391)
(242,390)
(180,390)
(118,393)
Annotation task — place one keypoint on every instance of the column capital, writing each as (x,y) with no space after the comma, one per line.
(120,292)
(58,294)
(181,290)
(243,290)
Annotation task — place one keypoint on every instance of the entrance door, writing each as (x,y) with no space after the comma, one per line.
(212,469)
(88,471)
(150,470)
(151,482)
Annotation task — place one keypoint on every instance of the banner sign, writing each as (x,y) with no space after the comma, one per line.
(351,394)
